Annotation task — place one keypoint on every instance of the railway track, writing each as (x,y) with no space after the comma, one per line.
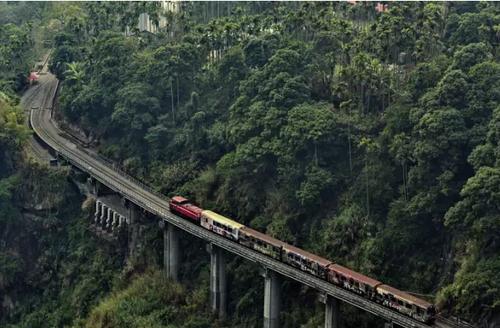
(155,203)
(35,98)
(443,322)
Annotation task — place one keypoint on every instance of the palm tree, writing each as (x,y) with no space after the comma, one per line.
(75,72)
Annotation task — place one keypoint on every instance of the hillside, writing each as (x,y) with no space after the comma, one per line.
(366,134)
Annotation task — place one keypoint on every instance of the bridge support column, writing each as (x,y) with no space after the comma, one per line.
(170,251)
(97,214)
(107,226)
(388,325)
(332,312)
(104,210)
(134,214)
(93,186)
(121,221)
(271,299)
(218,287)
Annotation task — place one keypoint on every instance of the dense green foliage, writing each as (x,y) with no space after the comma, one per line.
(151,301)
(42,250)
(13,133)
(45,247)
(370,138)
(57,269)
(19,43)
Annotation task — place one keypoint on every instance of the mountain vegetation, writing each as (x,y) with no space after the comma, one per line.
(366,134)
(44,241)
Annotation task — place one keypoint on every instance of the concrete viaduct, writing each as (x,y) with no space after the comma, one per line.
(137,197)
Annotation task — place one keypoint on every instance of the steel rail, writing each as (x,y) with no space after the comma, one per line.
(155,204)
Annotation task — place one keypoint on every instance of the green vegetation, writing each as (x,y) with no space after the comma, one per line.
(45,246)
(150,301)
(20,43)
(51,269)
(370,138)
(367,137)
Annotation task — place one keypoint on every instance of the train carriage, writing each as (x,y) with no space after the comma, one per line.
(261,242)
(220,225)
(352,280)
(305,261)
(406,303)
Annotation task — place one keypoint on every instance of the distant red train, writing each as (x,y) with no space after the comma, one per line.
(336,274)
(33,78)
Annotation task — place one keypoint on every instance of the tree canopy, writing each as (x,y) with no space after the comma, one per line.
(368,136)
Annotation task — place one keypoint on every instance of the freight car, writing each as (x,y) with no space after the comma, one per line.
(336,274)
(353,281)
(306,261)
(261,242)
(406,303)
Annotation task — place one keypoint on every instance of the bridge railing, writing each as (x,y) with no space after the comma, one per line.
(117,168)
(455,322)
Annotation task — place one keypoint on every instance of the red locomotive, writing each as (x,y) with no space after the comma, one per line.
(182,207)
(33,78)
(336,274)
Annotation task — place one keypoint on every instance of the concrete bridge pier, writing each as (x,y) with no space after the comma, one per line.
(134,215)
(332,312)
(93,186)
(104,210)
(114,222)
(171,254)
(218,286)
(98,209)
(271,299)
(107,225)
(107,218)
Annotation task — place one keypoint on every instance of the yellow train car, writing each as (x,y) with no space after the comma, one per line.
(220,225)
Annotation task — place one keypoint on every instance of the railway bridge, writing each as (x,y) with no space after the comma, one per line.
(138,198)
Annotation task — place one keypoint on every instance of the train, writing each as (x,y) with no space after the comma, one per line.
(313,264)
(33,78)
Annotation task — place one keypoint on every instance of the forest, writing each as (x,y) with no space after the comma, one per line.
(367,134)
